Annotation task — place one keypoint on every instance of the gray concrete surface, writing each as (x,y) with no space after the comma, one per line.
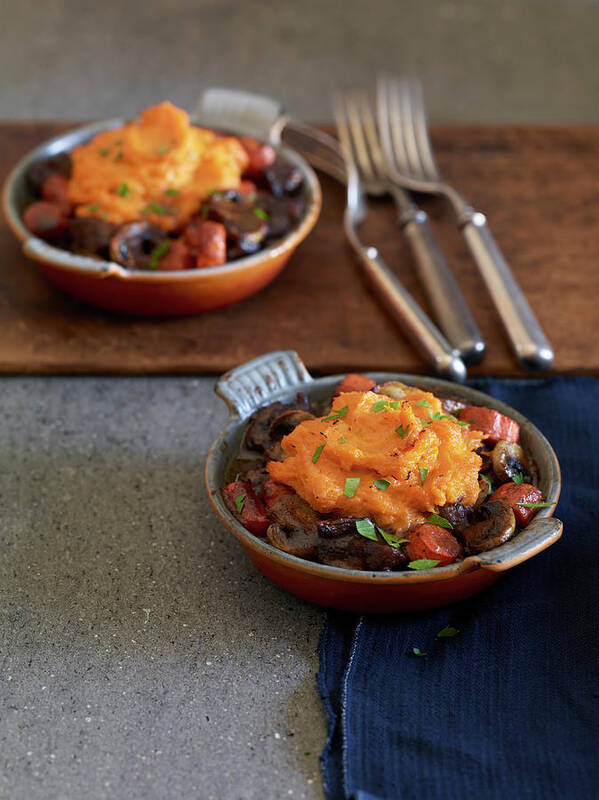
(141,655)
(501,60)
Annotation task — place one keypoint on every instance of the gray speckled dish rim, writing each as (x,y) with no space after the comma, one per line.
(280,375)
(15,193)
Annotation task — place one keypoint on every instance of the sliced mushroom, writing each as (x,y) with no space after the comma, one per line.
(496,526)
(451,406)
(508,460)
(283,178)
(394,389)
(133,245)
(258,435)
(90,236)
(285,422)
(355,552)
(457,515)
(296,542)
(245,228)
(333,528)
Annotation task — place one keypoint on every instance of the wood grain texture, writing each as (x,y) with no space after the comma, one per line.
(538,185)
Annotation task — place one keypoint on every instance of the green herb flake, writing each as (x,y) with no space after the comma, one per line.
(519,478)
(318,451)
(380,405)
(262,214)
(172,192)
(423,473)
(423,563)
(104,153)
(395,404)
(119,156)
(341,412)
(351,486)
(240,502)
(534,505)
(403,432)
(156,208)
(382,484)
(435,519)
(448,632)
(343,440)
(366,529)
(95,208)
(161,151)
(390,538)
(205,211)
(459,422)
(123,190)
(158,252)
(489,484)
(423,403)
(416,651)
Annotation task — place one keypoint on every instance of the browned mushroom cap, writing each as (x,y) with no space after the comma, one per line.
(296,542)
(245,228)
(458,516)
(90,236)
(508,460)
(258,435)
(497,526)
(333,528)
(294,526)
(283,178)
(133,245)
(355,552)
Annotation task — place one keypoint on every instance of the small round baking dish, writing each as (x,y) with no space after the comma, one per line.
(279,376)
(157,293)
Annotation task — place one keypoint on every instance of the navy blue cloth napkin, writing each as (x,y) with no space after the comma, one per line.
(508,707)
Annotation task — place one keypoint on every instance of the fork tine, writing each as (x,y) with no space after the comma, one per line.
(357,132)
(390,121)
(401,90)
(384,124)
(345,140)
(422,138)
(371,134)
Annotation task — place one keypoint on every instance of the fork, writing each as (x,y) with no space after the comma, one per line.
(406,143)
(361,139)
(417,327)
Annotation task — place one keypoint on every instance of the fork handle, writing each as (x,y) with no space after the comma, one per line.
(442,291)
(526,336)
(417,327)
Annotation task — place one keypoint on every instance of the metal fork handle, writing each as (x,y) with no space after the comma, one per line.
(409,316)
(526,336)
(442,291)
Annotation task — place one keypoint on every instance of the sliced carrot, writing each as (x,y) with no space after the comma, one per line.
(246,506)
(514,493)
(433,542)
(272,490)
(355,383)
(494,425)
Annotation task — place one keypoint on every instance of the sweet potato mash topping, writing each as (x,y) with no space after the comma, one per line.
(158,168)
(394,461)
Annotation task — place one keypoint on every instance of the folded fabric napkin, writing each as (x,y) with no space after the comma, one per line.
(507,708)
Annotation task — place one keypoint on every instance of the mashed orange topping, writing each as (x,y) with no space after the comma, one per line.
(158,168)
(433,464)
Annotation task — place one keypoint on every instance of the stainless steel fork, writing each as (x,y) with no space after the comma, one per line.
(405,140)
(361,139)
(418,328)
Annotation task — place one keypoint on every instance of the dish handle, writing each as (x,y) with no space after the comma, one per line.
(535,537)
(246,388)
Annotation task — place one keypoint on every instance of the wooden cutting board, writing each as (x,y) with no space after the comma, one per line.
(538,185)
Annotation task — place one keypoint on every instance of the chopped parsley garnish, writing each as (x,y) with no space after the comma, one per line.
(416,651)
(366,529)
(94,208)
(341,412)
(262,214)
(158,252)
(382,484)
(447,632)
(380,405)
(423,403)
(162,150)
(435,519)
(423,563)
(519,478)
(123,190)
(118,156)
(343,440)
(423,473)
(172,192)
(459,422)
(318,451)
(489,484)
(351,486)
(240,502)
(104,152)
(403,432)
(390,538)
(156,208)
(534,505)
